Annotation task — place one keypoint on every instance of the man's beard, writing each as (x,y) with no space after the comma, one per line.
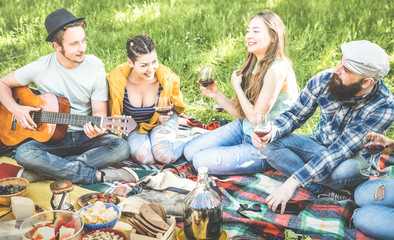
(63,52)
(340,91)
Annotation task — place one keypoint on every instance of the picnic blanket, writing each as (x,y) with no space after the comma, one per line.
(319,219)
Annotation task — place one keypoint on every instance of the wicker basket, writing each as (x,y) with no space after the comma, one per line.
(6,199)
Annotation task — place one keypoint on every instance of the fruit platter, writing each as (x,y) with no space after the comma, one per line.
(53,225)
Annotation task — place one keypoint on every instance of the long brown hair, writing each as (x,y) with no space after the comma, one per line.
(252,83)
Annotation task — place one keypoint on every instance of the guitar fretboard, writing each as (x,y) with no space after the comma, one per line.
(64,118)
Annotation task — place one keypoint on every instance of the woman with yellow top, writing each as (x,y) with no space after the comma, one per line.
(266,84)
(134,87)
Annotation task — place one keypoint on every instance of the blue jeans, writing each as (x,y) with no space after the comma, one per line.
(225,151)
(290,153)
(375,218)
(76,158)
(155,146)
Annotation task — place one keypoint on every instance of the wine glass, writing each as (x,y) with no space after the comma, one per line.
(374,143)
(205,78)
(261,126)
(163,106)
(218,108)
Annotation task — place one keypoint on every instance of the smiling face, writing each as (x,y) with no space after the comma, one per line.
(72,51)
(145,66)
(257,37)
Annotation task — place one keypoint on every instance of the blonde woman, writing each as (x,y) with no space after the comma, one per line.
(266,84)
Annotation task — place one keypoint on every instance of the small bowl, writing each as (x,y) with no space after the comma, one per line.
(111,224)
(6,199)
(107,230)
(83,200)
(48,217)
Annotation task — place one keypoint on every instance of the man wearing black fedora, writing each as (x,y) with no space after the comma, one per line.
(83,153)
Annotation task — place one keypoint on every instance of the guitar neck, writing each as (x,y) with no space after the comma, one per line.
(64,118)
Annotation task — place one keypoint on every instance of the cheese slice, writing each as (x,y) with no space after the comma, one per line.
(22,207)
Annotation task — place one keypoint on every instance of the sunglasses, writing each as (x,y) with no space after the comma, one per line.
(246,207)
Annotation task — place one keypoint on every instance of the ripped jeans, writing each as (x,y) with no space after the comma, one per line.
(225,151)
(154,146)
(375,218)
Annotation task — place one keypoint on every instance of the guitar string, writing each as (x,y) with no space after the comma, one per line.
(72,119)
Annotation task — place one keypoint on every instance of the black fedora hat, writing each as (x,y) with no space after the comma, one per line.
(58,19)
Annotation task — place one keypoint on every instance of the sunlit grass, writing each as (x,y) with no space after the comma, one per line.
(190,34)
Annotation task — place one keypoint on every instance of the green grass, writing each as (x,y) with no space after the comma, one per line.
(190,34)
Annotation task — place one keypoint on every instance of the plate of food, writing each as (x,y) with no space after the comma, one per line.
(91,198)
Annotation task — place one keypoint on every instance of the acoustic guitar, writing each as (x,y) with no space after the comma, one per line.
(52,119)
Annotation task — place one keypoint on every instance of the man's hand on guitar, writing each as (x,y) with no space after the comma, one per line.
(23,117)
(92,130)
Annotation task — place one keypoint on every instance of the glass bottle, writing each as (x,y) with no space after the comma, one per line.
(203,210)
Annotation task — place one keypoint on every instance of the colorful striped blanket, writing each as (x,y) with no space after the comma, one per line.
(319,219)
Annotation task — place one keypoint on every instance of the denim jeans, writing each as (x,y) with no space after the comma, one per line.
(155,140)
(76,158)
(375,218)
(225,151)
(290,153)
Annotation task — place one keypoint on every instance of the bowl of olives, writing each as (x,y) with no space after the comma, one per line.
(12,187)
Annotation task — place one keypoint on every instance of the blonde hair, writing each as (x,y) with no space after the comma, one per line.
(252,83)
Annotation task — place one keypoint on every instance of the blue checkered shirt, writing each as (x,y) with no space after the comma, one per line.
(341,127)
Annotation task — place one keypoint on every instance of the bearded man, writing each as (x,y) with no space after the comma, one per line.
(353,100)
(83,153)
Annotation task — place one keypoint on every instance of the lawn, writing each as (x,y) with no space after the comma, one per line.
(191,33)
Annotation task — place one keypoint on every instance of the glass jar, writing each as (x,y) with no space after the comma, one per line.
(203,210)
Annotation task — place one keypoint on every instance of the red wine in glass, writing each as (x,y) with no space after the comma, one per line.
(374,143)
(261,126)
(205,82)
(374,148)
(163,110)
(163,107)
(218,108)
(261,132)
(206,78)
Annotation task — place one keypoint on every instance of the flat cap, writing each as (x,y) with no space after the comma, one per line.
(364,57)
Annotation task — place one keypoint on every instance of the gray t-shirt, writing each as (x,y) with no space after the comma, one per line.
(79,85)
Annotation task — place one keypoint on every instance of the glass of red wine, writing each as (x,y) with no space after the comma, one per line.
(218,108)
(163,107)
(374,143)
(205,78)
(261,126)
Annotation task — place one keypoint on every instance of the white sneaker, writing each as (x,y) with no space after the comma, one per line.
(123,174)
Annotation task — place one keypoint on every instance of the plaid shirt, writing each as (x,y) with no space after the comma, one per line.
(341,127)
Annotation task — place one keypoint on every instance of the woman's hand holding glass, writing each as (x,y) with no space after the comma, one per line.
(206,78)
(210,91)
